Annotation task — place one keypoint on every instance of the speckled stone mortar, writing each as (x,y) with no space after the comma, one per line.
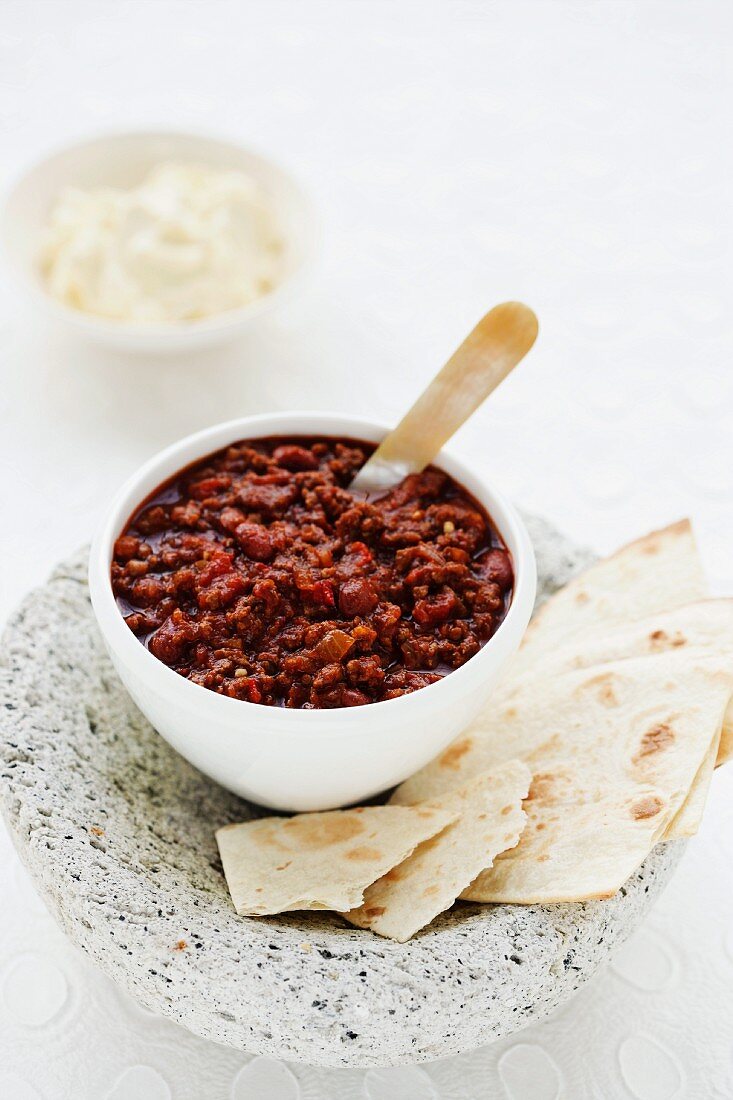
(118,833)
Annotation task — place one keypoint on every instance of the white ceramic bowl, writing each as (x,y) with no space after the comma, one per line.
(122,160)
(303,759)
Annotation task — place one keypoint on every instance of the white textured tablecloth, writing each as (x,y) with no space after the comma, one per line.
(574,155)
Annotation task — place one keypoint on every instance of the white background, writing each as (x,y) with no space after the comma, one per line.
(574,155)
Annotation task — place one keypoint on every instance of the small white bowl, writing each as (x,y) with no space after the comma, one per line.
(303,759)
(123,160)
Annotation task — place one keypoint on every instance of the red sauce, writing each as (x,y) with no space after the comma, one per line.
(258,574)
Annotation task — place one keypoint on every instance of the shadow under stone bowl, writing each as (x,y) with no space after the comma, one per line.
(117,831)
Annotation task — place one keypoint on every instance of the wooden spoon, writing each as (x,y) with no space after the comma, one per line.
(500,340)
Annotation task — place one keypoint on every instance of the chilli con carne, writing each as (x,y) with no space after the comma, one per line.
(256,573)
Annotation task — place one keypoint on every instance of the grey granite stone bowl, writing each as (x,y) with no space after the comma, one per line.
(118,833)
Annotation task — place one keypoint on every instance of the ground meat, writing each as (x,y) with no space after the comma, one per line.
(256,573)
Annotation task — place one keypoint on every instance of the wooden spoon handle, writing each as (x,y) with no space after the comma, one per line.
(498,342)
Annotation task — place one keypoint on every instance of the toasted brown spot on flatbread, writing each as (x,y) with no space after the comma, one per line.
(284,866)
(542,786)
(429,890)
(319,830)
(654,542)
(452,756)
(654,740)
(661,640)
(603,683)
(581,596)
(393,876)
(374,911)
(544,749)
(506,810)
(647,807)
(363,852)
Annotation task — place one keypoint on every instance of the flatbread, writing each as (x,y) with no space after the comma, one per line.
(706,625)
(687,820)
(656,573)
(702,624)
(428,882)
(321,860)
(614,751)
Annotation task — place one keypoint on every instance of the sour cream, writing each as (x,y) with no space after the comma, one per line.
(187,243)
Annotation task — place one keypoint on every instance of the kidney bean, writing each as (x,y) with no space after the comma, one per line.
(357,596)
